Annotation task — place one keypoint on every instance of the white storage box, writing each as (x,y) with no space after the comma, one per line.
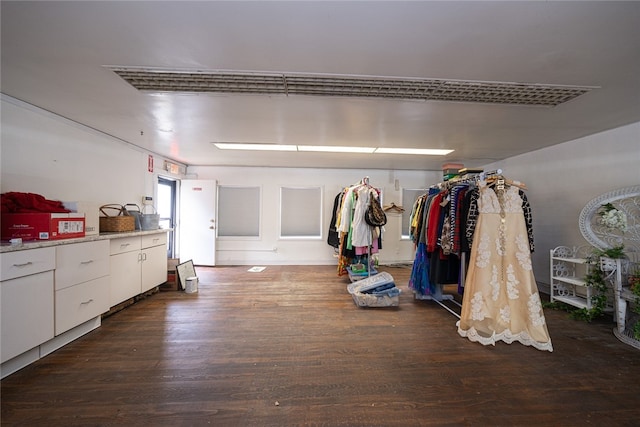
(369,300)
(360,291)
(91,213)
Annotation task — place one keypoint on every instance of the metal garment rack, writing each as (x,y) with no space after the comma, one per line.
(438,298)
(365,181)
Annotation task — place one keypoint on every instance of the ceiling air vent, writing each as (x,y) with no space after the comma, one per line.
(153,80)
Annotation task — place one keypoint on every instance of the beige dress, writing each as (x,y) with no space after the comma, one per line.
(501,300)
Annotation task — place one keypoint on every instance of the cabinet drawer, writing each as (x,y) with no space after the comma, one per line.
(151,240)
(77,304)
(81,262)
(26,313)
(125,244)
(24,263)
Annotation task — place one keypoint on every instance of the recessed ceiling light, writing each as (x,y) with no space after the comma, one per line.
(335,149)
(256,147)
(418,151)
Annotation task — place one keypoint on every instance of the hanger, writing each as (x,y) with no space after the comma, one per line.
(393,207)
(499,178)
(364,182)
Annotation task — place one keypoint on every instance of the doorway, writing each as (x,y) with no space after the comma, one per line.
(167,209)
(198,221)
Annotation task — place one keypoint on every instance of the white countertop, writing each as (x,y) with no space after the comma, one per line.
(33,244)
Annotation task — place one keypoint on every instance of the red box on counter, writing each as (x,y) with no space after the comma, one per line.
(42,226)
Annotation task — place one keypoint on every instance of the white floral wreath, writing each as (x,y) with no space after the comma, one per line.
(612,218)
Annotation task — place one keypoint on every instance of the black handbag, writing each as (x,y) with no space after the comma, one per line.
(375,216)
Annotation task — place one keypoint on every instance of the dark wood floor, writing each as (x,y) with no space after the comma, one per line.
(288,347)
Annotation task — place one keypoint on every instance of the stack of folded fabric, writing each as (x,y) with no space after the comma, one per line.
(378,290)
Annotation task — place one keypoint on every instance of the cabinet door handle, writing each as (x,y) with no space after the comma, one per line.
(87,302)
(86,262)
(24,264)
(124,245)
(144,257)
(155,240)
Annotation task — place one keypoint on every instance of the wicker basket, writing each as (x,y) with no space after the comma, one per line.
(120,222)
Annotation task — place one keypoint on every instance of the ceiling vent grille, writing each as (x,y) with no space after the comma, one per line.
(151,80)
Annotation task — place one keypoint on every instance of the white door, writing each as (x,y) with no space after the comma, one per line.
(198,221)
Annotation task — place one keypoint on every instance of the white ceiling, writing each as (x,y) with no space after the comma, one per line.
(55,56)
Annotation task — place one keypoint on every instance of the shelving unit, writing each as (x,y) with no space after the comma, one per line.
(568,269)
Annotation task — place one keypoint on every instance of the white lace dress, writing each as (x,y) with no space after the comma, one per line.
(501,300)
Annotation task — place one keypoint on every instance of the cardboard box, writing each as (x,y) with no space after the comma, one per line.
(171,284)
(172,263)
(453,166)
(91,213)
(172,276)
(42,226)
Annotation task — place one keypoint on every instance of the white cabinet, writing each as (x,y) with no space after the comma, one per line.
(124,280)
(154,261)
(81,283)
(26,300)
(568,269)
(137,265)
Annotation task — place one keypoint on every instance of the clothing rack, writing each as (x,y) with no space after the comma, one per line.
(365,182)
(438,296)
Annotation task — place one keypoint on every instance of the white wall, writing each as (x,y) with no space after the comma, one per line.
(561,180)
(48,155)
(332,181)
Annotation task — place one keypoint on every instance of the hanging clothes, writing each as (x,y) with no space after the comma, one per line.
(501,300)
(419,280)
(361,233)
(333,237)
(349,232)
(432,224)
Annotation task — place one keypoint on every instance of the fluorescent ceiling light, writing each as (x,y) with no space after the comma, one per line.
(256,147)
(330,149)
(336,149)
(418,151)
